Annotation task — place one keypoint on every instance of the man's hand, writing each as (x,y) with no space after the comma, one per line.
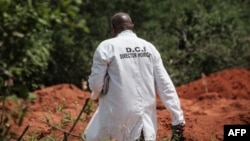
(177,132)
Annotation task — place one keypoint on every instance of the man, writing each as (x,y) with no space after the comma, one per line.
(135,74)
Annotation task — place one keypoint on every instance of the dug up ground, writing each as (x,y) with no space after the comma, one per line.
(209,103)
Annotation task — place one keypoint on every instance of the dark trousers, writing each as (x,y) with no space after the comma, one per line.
(141,138)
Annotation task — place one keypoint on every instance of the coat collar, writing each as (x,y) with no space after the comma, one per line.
(126,33)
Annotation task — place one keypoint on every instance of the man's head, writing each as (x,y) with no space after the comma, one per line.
(121,21)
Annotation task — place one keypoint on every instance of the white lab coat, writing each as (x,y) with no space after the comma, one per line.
(136,75)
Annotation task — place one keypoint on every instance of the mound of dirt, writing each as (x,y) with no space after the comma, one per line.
(230,84)
(208,103)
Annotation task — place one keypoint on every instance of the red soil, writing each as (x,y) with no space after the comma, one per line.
(208,103)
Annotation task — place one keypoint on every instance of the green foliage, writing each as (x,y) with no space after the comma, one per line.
(197,37)
(27,45)
(24,43)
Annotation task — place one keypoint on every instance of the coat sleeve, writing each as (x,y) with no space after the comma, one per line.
(167,92)
(98,71)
